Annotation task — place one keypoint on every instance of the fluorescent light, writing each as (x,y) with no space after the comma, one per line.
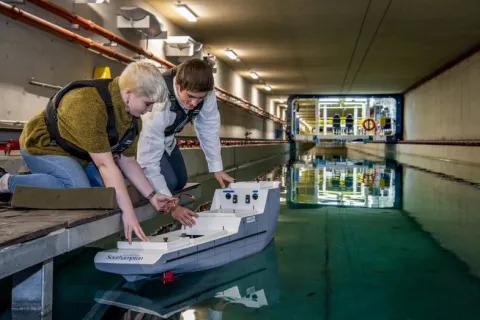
(91,1)
(177,39)
(185,11)
(268,88)
(254,75)
(231,54)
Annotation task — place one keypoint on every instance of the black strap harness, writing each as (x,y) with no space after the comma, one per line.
(51,119)
(182,117)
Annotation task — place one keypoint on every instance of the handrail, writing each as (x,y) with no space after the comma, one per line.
(231,139)
(91,26)
(464,143)
(45,85)
(250,105)
(460,143)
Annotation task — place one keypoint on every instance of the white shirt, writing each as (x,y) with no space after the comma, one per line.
(152,142)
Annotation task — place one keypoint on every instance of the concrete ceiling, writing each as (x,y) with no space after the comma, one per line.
(333,46)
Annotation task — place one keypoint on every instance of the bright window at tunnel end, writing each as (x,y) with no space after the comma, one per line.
(373,117)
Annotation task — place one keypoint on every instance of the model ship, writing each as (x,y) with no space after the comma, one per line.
(241,222)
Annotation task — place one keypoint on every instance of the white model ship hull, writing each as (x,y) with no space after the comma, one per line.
(241,222)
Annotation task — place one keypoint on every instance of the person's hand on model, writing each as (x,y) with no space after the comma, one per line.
(181,214)
(221,176)
(184,216)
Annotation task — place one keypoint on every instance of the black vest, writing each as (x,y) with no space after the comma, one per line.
(116,147)
(182,117)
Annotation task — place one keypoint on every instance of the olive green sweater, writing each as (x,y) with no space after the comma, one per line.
(82,120)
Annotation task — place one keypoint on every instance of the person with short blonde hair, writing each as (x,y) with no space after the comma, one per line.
(92,126)
(145,80)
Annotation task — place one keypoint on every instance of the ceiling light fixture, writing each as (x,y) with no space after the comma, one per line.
(178,40)
(231,54)
(186,12)
(268,88)
(91,1)
(254,75)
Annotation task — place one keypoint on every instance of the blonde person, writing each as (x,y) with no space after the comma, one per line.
(93,124)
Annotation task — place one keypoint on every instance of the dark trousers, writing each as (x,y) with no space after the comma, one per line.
(172,167)
(174,170)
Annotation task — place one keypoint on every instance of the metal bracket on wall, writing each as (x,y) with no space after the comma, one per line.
(45,85)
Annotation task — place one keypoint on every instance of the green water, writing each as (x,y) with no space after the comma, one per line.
(355,240)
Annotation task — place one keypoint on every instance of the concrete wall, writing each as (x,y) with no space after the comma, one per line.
(376,149)
(195,158)
(227,79)
(457,161)
(456,154)
(446,107)
(236,122)
(232,156)
(447,210)
(28,53)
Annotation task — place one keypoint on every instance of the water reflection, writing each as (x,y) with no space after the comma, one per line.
(333,179)
(328,260)
(249,283)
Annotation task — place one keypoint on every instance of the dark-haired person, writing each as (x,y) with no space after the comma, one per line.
(191,98)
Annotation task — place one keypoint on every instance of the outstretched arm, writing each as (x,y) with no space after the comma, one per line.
(207,126)
(112,177)
(135,175)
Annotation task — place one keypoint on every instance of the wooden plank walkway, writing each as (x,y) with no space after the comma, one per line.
(21,225)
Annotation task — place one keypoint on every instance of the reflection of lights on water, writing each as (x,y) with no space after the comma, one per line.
(189,314)
(340,184)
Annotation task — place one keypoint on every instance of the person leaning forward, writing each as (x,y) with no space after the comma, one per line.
(93,123)
(191,99)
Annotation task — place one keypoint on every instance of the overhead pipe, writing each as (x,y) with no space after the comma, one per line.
(17,14)
(257,109)
(20,15)
(240,99)
(251,108)
(91,26)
